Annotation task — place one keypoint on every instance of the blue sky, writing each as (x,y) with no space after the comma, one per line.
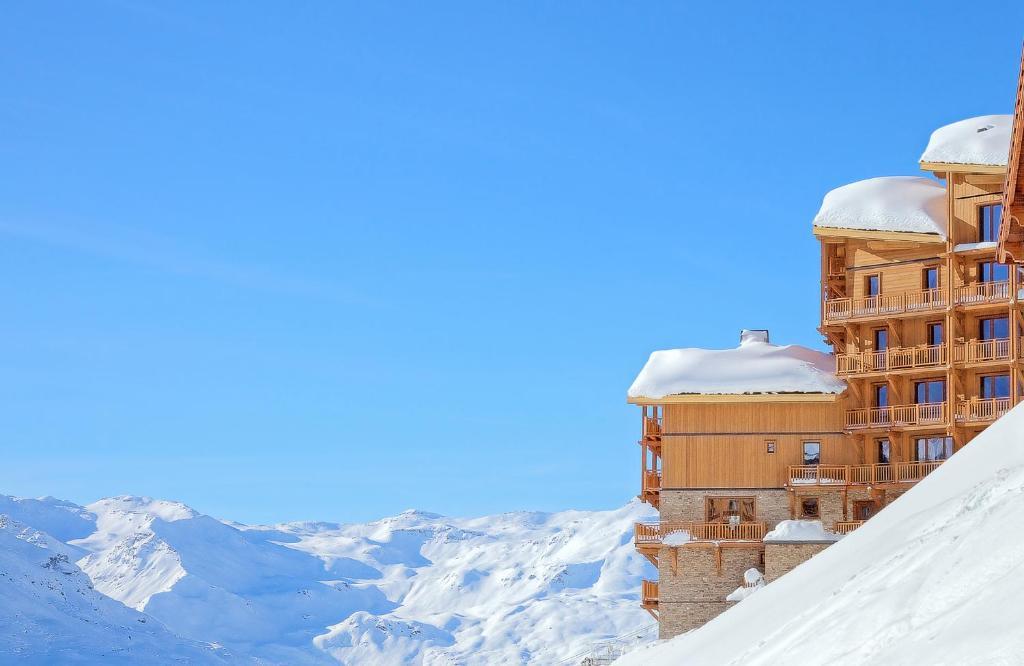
(336,260)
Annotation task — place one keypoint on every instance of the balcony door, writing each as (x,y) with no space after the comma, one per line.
(721,509)
(928,449)
(993,328)
(994,386)
(993,271)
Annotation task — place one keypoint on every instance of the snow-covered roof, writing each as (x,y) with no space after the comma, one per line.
(984,140)
(754,367)
(889,203)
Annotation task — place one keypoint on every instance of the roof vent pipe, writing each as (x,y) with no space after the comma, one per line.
(749,335)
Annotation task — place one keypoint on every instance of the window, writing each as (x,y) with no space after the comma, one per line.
(995,386)
(720,509)
(872,285)
(812,453)
(989,218)
(883,452)
(994,328)
(930,391)
(935,333)
(881,339)
(881,395)
(930,277)
(933,448)
(991,271)
(809,508)
(770,446)
(864,509)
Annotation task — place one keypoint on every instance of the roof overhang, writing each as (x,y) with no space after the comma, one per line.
(947,167)
(734,397)
(1011,231)
(866,234)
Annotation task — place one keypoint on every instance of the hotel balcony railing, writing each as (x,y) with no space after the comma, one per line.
(861,475)
(649,594)
(653,534)
(981,410)
(982,292)
(652,427)
(847,526)
(978,351)
(843,309)
(896,416)
(898,358)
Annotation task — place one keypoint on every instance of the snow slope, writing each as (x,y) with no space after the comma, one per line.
(415,588)
(890,203)
(752,367)
(935,578)
(50,613)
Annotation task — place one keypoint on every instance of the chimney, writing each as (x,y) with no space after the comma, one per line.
(749,335)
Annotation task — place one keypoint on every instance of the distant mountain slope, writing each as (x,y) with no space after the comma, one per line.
(935,578)
(415,588)
(50,614)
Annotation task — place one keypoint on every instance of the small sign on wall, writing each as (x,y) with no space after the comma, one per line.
(770,445)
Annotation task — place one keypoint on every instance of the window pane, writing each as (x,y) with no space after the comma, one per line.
(881,339)
(931,278)
(988,224)
(882,395)
(812,453)
(883,451)
(872,285)
(994,328)
(934,334)
(933,448)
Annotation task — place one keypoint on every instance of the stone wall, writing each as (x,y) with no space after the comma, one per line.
(782,557)
(771,505)
(696,592)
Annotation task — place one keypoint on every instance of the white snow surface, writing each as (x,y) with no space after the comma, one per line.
(984,140)
(983,245)
(754,581)
(752,367)
(50,613)
(416,588)
(935,578)
(889,203)
(800,530)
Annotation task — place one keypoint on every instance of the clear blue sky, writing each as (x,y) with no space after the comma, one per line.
(335,260)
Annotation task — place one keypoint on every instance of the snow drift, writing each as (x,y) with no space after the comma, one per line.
(935,578)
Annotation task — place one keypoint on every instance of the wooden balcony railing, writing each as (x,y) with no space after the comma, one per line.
(652,428)
(982,292)
(841,309)
(847,526)
(896,416)
(980,410)
(866,475)
(896,358)
(836,266)
(649,594)
(645,534)
(652,480)
(979,351)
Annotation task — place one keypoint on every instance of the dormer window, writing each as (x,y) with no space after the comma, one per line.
(989,219)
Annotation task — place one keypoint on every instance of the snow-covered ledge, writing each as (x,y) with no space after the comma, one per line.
(801,531)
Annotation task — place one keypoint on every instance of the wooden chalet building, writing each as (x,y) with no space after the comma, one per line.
(921,306)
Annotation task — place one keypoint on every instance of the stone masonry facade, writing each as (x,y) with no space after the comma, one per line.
(691,589)
(781,557)
(771,504)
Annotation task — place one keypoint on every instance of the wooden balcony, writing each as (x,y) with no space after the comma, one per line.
(861,475)
(653,534)
(978,410)
(649,597)
(652,428)
(885,305)
(982,292)
(896,416)
(889,360)
(981,351)
(847,526)
(836,266)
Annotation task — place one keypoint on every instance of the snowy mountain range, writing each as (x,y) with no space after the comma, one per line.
(416,588)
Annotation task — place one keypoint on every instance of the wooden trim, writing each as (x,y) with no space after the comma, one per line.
(736,397)
(900,236)
(950,167)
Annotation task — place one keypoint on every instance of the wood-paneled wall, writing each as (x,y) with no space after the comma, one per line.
(724,445)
